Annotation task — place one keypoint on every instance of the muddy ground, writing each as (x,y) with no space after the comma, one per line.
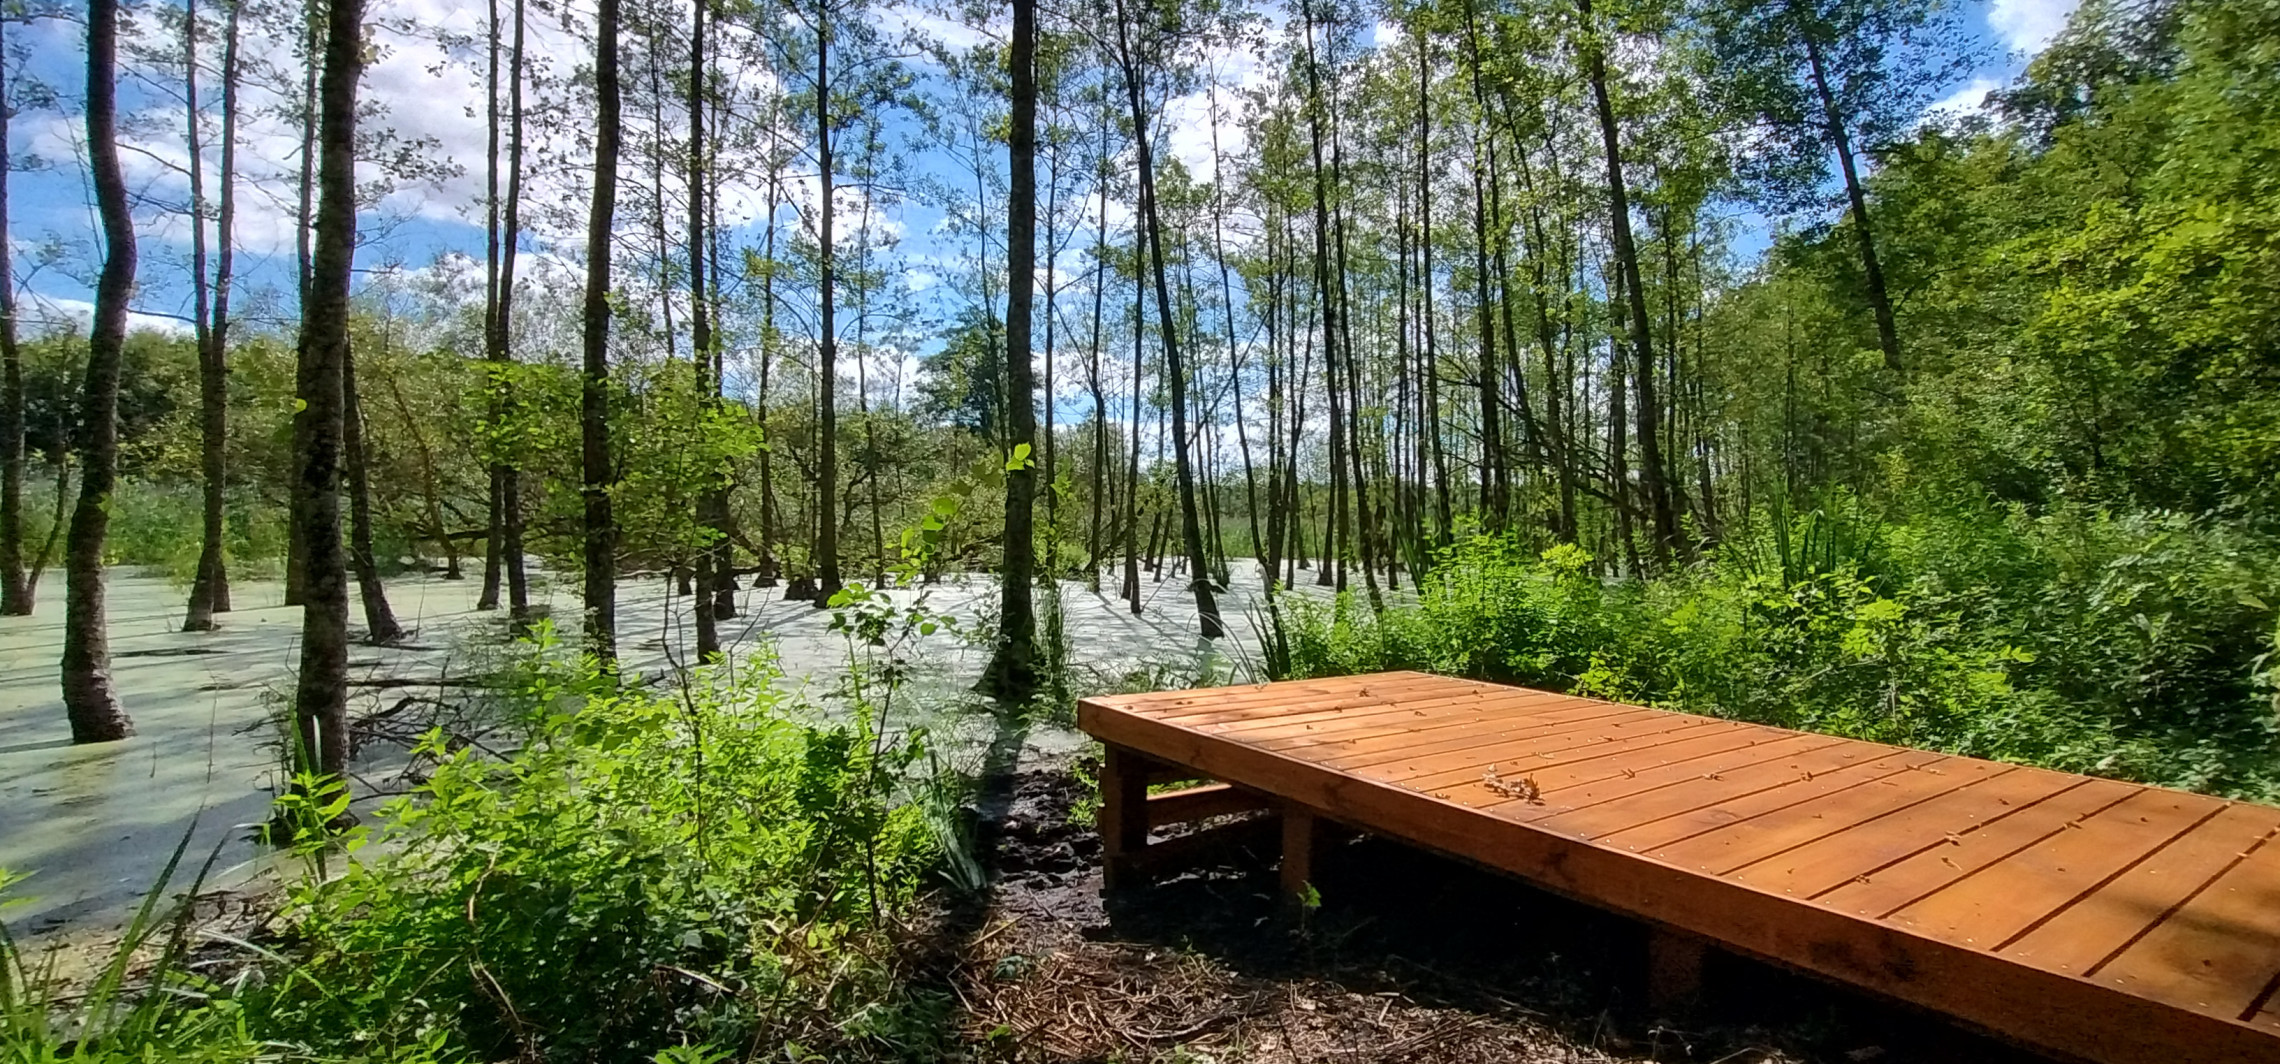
(1411,957)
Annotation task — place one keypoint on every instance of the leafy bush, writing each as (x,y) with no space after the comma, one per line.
(651,869)
(701,872)
(2138,646)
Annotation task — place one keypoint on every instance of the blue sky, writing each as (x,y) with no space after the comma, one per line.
(423,222)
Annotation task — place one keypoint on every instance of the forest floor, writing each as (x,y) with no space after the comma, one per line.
(94,826)
(1411,957)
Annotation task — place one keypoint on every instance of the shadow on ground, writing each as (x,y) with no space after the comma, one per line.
(1411,957)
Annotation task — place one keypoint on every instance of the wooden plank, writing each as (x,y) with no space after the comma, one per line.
(1816,867)
(1198,803)
(1375,700)
(1990,907)
(1404,718)
(1525,755)
(2100,926)
(1628,797)
(2217,954)
(1617,783)
(1723,850)
(1475,744)
(1693,753)
(2061,1013)
(1879,892)
(1202,706)
(1144,701)
(1858,765)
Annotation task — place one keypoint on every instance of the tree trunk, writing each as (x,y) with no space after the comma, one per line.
(1430,423)
(600,526)
(500,337)
(1652,474)
(827,346)
(712,501)
(321,698)
(88,697)
(495,525)
(15,588)
(1871,267)
(1094,545)
(1012,672)
(1191,532)
(296,562)
(210,589)
(380,624)
(766,577)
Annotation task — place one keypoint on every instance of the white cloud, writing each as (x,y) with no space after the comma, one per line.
(44,313)
(2029,25)
(1967,100)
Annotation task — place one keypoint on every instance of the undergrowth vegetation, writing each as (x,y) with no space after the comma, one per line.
(691,873)
(2138,646)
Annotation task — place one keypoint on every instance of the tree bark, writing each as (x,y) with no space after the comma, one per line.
(1191,532)
(380,627)
(15,587)
(210,589)
(1652,473)
(600,526)
(321,697)
(712,497)
(1871,267)
(88,697)
(827,581)
(1012,672)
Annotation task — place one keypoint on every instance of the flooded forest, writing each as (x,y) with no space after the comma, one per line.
(569,530)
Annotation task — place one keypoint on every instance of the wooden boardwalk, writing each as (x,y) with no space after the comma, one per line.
(2089,918)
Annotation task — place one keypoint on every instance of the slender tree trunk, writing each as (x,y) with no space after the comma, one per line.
(1092,366)
(1175,371)
(379,621)
(600,531)
(1652,473)
(827,346)
(1871,267)
(1335,532)
(1430,423)
(1132,474)
(321,697)
(297,562)
(501,336)
(1012,671)
(766,577)
(88,697)
(15,589)
(712,494)
(495,527)
(210,588)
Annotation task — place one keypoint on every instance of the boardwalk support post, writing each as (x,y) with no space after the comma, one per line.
(1674,970)
(1300,832)
(1123,817)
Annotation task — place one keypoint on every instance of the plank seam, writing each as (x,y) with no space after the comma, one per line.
(1894,811)
(2244,855)
(1930,846)
(2114,875)
(2007,855)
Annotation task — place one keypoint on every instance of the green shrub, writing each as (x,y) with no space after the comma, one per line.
(651,869)
(2138,647)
